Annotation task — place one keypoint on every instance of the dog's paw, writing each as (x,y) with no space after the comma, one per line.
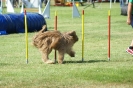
(72,54)
(60,61)
(49,62)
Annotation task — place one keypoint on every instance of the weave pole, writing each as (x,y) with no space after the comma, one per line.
(26,36)
(55,28)
(82,35)
(109,23)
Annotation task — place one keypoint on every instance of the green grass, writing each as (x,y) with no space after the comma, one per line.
(95,72)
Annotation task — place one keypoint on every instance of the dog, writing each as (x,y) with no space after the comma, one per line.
(46,41)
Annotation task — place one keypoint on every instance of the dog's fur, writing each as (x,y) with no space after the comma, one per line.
(45,41)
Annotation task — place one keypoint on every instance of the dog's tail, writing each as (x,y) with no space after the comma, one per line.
(37,38)
(44,28)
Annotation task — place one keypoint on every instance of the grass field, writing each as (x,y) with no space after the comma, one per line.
(95,72)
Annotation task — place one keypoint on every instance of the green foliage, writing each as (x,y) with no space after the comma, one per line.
(95,72)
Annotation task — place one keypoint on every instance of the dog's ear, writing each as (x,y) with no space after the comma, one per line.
(73,34)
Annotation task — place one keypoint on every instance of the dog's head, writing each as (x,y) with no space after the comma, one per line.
(73,34)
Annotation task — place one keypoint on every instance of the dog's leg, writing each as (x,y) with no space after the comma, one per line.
(55,44)
(70,52)
(45,56)
(60,56)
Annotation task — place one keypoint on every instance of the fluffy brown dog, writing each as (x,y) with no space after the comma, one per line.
(45,41)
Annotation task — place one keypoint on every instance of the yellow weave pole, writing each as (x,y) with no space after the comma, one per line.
(83,35)
(26,36)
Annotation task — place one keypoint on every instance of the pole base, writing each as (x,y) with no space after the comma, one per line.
(26,61)
(82,59)
(109,59)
